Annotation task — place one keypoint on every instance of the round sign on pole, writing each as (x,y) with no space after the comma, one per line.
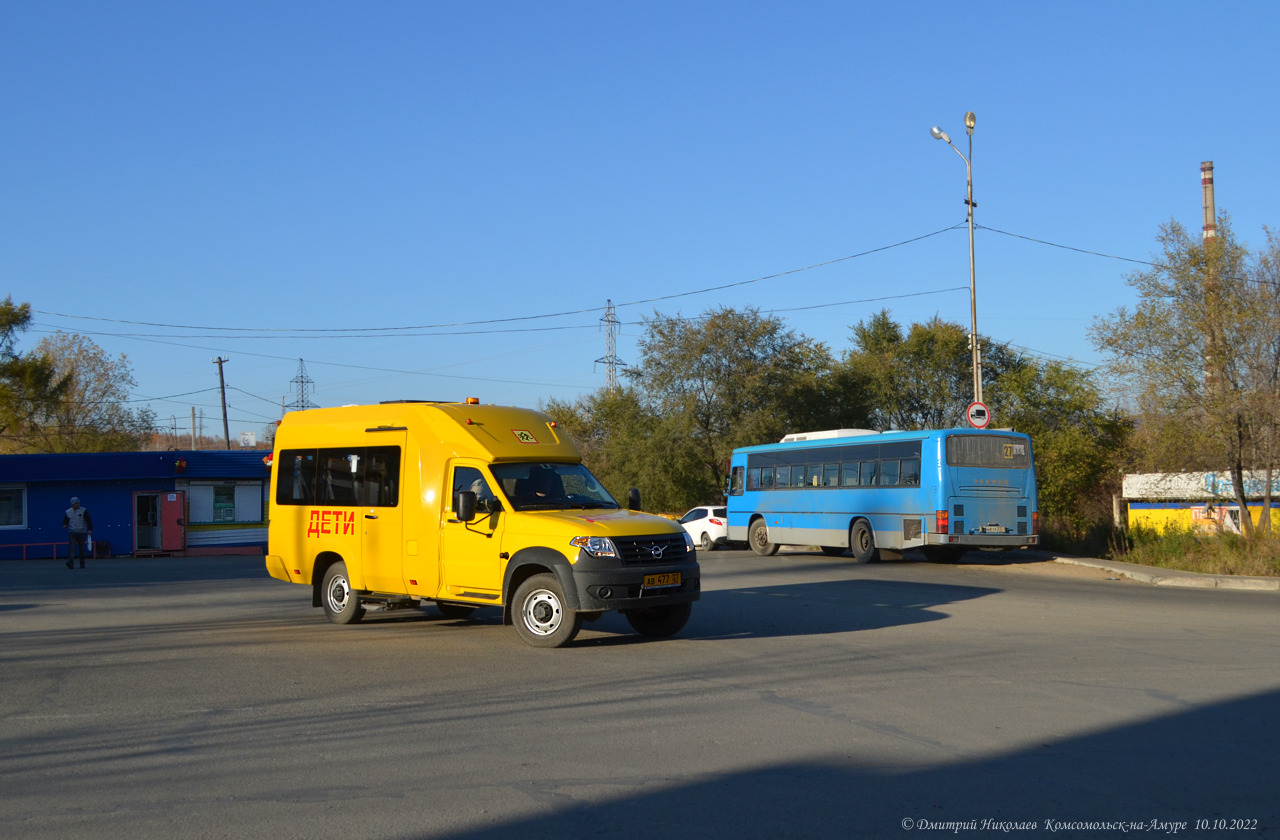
(978,415)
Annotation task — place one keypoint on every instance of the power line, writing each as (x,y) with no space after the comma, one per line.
(385,330)
(1066,247)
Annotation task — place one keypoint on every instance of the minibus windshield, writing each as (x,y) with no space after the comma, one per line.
(551,486)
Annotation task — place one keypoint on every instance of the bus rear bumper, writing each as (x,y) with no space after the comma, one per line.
(979,541)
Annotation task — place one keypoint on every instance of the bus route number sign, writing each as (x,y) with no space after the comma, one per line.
(978,415)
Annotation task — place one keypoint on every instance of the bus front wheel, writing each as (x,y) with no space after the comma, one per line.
(862,543)
(759,539)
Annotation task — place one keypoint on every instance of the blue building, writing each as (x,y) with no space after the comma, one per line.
(158,503)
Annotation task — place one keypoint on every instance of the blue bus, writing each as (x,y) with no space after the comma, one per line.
(944,491)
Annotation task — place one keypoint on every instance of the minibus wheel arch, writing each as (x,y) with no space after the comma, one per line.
(318,571)
(528,562)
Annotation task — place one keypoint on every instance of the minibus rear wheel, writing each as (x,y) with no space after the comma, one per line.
(341,603)
(541,617)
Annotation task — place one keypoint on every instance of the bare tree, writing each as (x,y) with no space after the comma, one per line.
(92,413)
(1200,352)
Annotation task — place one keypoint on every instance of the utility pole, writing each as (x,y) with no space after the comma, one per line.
(222,386)
(610,360)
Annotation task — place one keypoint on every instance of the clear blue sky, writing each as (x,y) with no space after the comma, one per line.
(247,179)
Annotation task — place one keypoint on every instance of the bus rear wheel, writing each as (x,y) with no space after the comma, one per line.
(862,542)
(758,536)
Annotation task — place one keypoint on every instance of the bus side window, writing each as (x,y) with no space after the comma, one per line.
(766,478)
(849,474)
(815,475)
(753,478)
(889,473)
(783,476)
(831,475)
(735,482)
(911,472)
(867,473)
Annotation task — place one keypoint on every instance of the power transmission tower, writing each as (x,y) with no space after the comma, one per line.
(610,360)
(302,387)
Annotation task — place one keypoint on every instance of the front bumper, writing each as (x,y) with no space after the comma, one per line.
(604,587)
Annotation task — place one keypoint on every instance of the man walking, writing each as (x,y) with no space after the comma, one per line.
(78,523)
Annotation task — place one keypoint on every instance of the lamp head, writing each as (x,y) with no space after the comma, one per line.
(939,134)
(969,120)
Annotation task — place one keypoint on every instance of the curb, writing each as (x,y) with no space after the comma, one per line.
(1171,577)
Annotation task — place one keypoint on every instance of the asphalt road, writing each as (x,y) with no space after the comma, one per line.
(808,697)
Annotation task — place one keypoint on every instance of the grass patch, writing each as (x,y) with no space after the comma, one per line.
(1187,551)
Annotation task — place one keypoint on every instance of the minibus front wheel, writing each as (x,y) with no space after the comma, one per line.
(341,603)
(541,617)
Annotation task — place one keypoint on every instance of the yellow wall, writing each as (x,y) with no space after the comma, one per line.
(1184,518)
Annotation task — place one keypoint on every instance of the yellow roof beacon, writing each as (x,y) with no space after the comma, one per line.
(465,505)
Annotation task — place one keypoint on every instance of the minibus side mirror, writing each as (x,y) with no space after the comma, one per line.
(464,505)
(633,499)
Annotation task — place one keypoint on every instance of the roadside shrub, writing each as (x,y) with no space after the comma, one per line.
(1186,550)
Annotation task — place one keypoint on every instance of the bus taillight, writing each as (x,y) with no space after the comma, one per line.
(1035,522)
(942,524)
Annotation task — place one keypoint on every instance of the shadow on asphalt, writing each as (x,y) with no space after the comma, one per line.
(780,611)
(1217,763)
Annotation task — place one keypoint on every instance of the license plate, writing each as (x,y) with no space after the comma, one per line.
(663,580)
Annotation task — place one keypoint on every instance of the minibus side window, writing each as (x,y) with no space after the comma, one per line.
(380,482)
(339,475)
(296,477)
(470,478)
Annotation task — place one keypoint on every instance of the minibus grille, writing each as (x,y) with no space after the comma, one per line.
(659,548)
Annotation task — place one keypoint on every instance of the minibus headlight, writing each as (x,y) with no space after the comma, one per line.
(595,546)
(688,543)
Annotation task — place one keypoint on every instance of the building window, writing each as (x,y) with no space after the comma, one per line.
(13,506)
(224,503)
(215,503)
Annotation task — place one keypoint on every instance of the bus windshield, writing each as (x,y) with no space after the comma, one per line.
(551,486)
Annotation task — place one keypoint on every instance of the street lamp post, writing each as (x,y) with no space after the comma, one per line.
(939,134)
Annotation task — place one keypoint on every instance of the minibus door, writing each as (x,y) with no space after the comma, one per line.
(469,561)
(381,513)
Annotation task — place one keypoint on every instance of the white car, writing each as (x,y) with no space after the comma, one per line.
(708,525)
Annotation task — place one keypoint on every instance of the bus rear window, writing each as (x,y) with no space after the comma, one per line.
(988,451)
